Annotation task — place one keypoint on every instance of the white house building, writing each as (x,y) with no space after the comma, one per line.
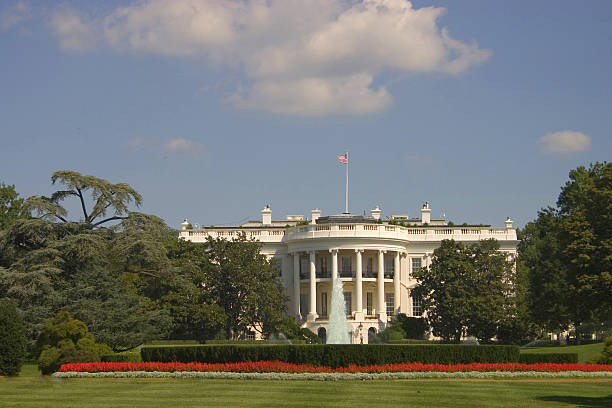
(374,259)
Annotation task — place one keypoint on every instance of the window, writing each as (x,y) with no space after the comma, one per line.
(323,265)
(416,264)
(324,304)
(417,310)
(369,303)
(369,265)
(346,264)
(389,267)
(304,268)
(303,304)
(348,303)
(389,299)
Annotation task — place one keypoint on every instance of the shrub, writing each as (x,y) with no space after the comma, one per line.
(557,358)
(606,354)
(12,339)
(334,355)
(64,339)
(415,327)
(392,333)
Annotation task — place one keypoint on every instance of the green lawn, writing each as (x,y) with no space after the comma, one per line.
(32,390)
(584,352)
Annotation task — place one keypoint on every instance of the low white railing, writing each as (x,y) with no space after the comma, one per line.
(355,230)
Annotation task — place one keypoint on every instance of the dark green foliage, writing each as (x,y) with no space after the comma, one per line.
(414,327)
(245,284)
(125,357)
(558,358)
(12,339)
(466,290)
(392,333)
(606,354)
(568,251)
(64,339)
(334,355)
(289,328)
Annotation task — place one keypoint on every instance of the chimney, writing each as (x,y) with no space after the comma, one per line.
(425,213)
(266,216)
(315,214)
(508,223)
(185,225)
(376,213)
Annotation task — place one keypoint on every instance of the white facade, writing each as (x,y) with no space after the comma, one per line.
(374,260)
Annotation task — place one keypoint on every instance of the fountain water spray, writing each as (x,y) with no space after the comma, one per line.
(339,330)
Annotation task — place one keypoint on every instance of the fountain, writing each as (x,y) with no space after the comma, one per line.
(339,330)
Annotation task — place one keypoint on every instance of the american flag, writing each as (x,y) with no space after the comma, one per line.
(343,159)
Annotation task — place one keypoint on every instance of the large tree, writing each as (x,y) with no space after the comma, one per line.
(548,294)
(585,211)
(466,290)
(246,285)
(568,251)
(96,197)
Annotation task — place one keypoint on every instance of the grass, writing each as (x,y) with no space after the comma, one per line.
(584,352)
(32,390)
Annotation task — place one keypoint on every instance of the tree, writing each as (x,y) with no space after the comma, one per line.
(10,205)
(246,285)
(444,290)
(492,289)
(585,211)
(568,252)
(105,197)
(12,339)
(549,297)
(467,289)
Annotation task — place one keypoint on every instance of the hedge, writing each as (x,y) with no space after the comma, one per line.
(533,358)
(334,355)
(125,357)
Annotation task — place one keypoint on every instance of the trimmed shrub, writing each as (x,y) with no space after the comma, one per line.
(12,339)
(415,327)
(557,358)
(125,357)
(606,355)
(334,355)
(64,339)
(392,333)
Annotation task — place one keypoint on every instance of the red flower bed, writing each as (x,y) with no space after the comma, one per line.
(282,367)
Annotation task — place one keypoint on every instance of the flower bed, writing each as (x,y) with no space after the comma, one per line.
(289,368)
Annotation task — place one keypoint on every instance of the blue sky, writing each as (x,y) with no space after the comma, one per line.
(212,109)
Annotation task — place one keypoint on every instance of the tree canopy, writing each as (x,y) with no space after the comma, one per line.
(466,290)
(568,252)
(97,197)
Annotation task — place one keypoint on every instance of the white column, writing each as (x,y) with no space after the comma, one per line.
(334,253)
(381,309)
(359,287)
(312,312)
(396,283)
(296,283)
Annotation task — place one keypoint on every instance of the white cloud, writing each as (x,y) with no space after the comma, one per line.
(315,57)
(181,145)
(565,141)
(75,32)
(317,96)
(15,14)
(136,143)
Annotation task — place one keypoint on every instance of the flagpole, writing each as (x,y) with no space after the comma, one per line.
(346,198)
